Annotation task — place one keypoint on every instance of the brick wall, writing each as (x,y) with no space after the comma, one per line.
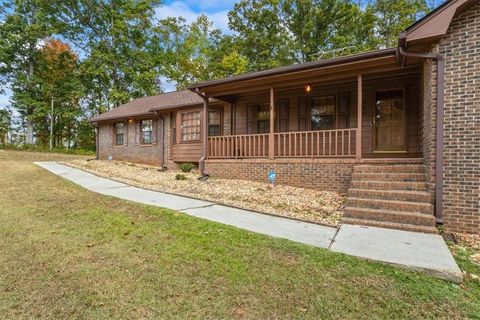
(461,49)
(328,174)
(132,150)
(428,123)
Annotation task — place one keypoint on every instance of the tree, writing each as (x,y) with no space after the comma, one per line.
(24,25)
(272,33)
(5,124)
(392,17)
(58,79)
(117,38)
(320,26)
(196,52)
(260,33)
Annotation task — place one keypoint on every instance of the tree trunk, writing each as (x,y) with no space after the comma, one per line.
(29,135)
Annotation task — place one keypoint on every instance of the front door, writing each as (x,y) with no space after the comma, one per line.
(389,121)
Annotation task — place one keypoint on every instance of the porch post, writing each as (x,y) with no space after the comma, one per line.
(358,138)
(204,128)
(271,137)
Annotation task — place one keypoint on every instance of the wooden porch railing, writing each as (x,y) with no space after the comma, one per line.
(238,146)
(305,144)
(311,144)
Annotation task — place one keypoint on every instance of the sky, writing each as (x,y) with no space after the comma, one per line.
(216,10)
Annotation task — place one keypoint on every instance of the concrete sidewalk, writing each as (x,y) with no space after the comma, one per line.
(423,252)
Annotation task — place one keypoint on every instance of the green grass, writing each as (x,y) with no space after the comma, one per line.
(69,253)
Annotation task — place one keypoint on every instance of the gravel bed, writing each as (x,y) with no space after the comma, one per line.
(317,206)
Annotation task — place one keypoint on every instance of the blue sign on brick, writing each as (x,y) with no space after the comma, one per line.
(272,175)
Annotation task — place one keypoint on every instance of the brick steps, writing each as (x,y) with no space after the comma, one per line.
(390,196)
(402,168)
(394,205)
(388,185)
(401,195)
(390,225)
(384,176)
(393,216)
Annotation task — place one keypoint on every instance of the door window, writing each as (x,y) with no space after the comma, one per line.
(389,121)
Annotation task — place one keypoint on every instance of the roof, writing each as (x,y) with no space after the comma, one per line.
(146,105)
(299,67)
(435,24)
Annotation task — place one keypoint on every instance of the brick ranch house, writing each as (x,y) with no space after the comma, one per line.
(398,129)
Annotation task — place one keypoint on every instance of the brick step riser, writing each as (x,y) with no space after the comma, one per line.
(394,217)
(389,225)
(388,185)
(389,169)
(402,177)
(385,195)
(425,208)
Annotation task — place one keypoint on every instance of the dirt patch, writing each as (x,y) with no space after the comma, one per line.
(306,204)
(472,240)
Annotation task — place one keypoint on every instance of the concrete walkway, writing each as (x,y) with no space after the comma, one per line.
(423,252)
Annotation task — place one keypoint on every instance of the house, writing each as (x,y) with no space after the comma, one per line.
(398,129)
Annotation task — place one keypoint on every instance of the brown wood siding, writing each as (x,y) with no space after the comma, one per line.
(186,151)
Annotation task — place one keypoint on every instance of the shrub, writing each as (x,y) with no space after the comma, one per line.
(180,176)
(186,167)
(39,148)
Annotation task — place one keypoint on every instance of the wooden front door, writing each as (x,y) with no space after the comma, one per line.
(389,121)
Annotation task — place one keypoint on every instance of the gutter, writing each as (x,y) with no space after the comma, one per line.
(163,140)
(440,97)
(97,141)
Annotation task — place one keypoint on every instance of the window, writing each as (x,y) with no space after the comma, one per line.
(389,105)
(119,133)
(147,126)
(323,113)
(190,129)
(263,118)
(214,123)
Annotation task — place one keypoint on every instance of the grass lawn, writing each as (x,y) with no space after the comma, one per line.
(69,253)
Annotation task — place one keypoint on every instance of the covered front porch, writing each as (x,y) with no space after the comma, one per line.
(375,115)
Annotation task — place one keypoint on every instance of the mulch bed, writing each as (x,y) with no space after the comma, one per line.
(317,206)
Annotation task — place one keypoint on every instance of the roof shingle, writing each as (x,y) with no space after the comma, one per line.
(145,106)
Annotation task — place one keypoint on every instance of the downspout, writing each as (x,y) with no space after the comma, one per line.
(97,146)
(163,140)
(440,96)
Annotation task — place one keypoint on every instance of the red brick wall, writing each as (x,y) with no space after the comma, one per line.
(132,150)
(333,175)
(460,47)
(428,123)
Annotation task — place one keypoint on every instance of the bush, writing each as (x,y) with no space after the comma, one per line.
(186,167)
(38,148)
(180,176)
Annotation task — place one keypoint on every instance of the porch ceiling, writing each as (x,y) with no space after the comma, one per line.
(337,77)
(342,73)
